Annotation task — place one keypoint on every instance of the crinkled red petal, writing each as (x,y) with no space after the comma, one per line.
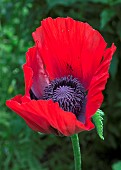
(36,77)
(95,97)
(28,74)
(47,117)
(69,47)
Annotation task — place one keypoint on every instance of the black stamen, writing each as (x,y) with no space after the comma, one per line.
(69,93)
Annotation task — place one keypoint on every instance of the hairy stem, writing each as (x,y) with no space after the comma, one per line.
(76,150)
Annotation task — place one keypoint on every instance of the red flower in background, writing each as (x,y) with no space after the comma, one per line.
(65,73)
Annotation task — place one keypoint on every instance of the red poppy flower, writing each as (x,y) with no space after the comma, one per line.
(65,73)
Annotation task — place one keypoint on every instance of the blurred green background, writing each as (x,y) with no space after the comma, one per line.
(20,147)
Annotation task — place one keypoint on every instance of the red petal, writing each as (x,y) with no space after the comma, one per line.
(48,117)
(35,74)
(95,97)
(34,121)
(28,74)
(69,47)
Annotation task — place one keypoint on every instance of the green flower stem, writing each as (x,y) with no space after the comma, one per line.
(76,150)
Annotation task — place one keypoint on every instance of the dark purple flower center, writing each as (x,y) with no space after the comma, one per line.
(69,93)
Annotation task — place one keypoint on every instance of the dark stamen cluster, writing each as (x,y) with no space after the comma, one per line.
(69,93)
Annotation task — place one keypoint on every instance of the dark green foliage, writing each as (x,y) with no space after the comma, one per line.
(20,147)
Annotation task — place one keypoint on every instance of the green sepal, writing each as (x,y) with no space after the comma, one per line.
(98,121)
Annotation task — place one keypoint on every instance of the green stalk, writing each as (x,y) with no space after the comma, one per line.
(76,150)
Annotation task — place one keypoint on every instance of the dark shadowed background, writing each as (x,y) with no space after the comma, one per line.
(20,147)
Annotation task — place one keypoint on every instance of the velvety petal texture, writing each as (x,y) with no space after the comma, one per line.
(48,117)
(34,70)
(70,47)
(63,47)
(97,85)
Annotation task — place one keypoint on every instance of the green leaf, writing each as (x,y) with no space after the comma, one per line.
(106,16)
(98,121)
(116,166)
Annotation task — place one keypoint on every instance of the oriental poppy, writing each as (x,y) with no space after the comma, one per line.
(65,73)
